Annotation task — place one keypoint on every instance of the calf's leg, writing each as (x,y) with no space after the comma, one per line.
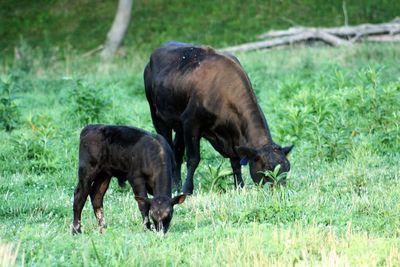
(139,189)
(237,172)
(80,196)
(97,193)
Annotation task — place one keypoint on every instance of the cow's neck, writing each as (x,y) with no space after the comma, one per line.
(257,133)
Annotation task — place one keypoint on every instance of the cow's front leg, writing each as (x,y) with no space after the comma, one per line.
(237,172)
(191,134)
(97,193)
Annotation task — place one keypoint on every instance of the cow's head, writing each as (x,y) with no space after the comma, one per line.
(161,209)
(265,159)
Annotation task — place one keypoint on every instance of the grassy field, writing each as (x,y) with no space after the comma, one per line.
(341,207)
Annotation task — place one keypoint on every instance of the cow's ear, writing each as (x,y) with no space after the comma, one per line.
(287,149)
(178,199)
(246,152)
(142,200)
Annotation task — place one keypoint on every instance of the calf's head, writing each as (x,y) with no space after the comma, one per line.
(161,209)
(265,159)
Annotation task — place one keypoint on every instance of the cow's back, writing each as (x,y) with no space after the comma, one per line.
(178,74)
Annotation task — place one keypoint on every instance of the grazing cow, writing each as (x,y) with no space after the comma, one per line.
(198,92)
(146,161)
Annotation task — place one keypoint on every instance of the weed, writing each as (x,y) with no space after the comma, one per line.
(276,177)
(34,150)
(9,112)
(218,179)
(87,104)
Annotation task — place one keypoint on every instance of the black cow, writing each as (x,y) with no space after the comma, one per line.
(198,92)
(146,161)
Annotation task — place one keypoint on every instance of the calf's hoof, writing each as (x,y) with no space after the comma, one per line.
(103,229)
(146,224)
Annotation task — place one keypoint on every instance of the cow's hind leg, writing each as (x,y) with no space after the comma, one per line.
(237,172)
(191,133)
(161,127)
(80,196)
(97,192)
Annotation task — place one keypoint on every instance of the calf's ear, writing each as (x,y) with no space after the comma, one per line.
(178,199)
(246,152)
(142,200)
(287,149)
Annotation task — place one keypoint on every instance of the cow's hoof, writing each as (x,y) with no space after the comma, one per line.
(177,188)
(76,230)
(187,191)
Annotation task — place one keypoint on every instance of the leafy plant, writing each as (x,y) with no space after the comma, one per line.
(87,104)
(218,179)
(9,112)
(34,150)
(276,177)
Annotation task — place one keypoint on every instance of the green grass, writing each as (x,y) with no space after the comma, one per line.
(340,107)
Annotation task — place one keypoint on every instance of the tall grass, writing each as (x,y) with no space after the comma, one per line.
(8,255)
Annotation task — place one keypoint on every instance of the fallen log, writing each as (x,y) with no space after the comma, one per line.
(384,38)
(334,36)
(288,40)
(364,29)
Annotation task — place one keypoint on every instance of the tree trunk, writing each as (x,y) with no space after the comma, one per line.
(118,29)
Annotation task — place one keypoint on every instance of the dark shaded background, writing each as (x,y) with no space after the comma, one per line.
(83,24)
